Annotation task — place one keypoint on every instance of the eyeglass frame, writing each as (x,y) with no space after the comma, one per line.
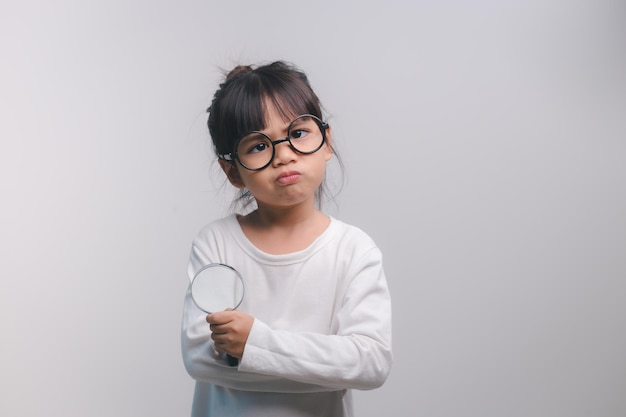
(234,156)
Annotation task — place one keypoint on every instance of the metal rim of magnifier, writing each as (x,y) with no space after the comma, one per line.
(219,265)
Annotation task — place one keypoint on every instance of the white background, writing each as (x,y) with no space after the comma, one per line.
(485,148)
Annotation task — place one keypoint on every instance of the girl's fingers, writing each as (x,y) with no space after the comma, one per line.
(218,329)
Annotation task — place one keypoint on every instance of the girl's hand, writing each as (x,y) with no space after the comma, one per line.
(230,330)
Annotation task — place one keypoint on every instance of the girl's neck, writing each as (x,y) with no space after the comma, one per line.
(279,231)
(272,217)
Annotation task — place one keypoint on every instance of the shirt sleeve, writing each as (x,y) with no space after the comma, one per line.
(358,356)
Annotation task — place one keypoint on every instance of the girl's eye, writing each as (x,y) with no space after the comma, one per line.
(298,134)
(253,144)
(259,147)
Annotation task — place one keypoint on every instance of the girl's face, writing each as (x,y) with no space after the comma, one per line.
(291,178)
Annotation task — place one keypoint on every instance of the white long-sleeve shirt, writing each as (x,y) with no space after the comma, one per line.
(322,325)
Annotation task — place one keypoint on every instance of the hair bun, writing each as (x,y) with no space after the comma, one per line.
(239,69)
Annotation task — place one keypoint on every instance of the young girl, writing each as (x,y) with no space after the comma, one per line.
(315,321)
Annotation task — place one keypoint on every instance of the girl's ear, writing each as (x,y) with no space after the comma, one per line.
(232,173)
(329,143)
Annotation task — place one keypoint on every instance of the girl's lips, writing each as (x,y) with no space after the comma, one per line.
(288,177)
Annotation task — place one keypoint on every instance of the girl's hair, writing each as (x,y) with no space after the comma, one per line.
(239,106)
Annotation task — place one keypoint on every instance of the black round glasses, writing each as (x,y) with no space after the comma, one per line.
(254,151)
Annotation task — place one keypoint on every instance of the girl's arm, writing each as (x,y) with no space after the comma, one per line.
(358,356)
(205,364)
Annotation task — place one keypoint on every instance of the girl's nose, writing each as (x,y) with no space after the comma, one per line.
(283,153)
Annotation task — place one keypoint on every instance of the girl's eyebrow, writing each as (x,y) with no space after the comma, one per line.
(283,130)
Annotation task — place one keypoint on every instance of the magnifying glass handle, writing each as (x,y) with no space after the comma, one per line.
(232,361)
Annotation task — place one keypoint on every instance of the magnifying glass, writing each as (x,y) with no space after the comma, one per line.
(218,287)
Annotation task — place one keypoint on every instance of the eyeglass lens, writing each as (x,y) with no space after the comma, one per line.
(256,149)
